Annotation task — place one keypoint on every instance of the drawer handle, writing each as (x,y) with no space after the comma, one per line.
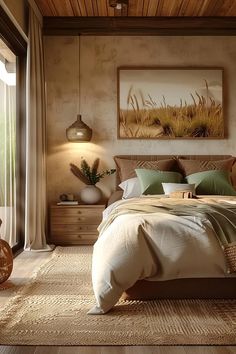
(79,211)
(79,236)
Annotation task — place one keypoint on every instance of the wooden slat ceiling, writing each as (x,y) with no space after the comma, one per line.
(138,8)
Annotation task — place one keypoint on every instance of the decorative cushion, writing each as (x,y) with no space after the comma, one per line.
(151,181)
(6,261)
(212,183)
(131,188)
(126,168)
(176,187)
(193,166)
(181,195)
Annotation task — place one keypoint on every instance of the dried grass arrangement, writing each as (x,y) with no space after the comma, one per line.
(90,175)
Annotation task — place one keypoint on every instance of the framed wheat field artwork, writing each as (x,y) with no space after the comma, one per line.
(170,103)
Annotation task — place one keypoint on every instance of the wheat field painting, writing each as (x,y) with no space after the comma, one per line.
(170,103)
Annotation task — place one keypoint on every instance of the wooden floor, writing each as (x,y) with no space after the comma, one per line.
(26,264)
(117,350)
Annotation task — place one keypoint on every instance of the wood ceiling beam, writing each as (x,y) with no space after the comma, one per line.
(11,36)
(173,26)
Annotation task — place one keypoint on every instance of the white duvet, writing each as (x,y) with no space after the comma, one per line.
(152,247)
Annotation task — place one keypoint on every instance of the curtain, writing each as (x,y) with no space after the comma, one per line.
(8,162)
(35,195)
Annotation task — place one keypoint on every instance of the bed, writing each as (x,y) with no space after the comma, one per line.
(160,264)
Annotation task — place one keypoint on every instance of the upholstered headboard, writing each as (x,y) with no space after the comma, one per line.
(176,166)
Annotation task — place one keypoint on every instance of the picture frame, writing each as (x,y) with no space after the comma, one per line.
(170,103)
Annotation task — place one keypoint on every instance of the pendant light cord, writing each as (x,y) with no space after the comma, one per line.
(78,85)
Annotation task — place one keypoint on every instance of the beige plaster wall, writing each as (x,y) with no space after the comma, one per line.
(100,57)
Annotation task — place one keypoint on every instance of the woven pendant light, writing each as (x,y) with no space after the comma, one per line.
(79,132)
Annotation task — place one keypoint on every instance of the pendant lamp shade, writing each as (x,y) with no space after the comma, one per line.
(79,131)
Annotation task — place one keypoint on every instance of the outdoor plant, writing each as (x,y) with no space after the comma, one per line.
(90,175)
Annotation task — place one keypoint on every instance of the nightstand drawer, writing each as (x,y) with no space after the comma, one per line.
(68,211)
(68,229)
(82,219)
(71,225)
(74,239)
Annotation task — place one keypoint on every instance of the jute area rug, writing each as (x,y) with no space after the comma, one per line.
(51,310)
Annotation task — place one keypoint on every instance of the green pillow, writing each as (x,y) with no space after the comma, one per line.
(213,182)
(151,180)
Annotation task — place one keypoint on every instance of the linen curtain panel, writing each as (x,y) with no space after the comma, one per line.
(35,203)
(8,163)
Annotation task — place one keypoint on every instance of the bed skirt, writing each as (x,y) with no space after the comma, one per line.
(192,288)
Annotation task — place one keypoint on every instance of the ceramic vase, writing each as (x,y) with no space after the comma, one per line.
(90,194)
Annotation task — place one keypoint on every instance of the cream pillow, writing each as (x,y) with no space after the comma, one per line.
(131,188)
(175,187)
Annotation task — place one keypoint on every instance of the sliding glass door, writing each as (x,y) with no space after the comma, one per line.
(8,178)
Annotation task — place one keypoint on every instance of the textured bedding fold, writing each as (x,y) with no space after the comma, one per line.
(159,239)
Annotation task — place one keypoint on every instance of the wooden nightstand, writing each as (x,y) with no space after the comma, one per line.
(75,224)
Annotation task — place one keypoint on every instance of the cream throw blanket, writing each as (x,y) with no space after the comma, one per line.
(160,239)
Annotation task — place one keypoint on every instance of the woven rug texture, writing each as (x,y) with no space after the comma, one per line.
(51,310)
